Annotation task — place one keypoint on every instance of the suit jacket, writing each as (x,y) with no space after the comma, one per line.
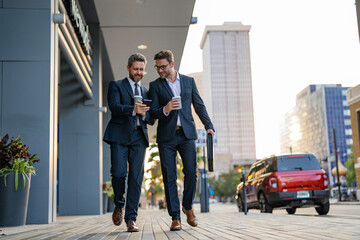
(121,104)
(161,94)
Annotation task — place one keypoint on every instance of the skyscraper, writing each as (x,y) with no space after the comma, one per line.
(227,91)
(308,127)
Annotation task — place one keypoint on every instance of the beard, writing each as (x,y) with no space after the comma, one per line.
(136,78)
(164,75)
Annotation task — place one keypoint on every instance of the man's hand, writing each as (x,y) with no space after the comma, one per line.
(141,108)
(174,104)
(211,131)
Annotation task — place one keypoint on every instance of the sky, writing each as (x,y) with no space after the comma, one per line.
(293,43)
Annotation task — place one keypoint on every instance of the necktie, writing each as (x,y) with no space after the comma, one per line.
(136,89)
(136,94)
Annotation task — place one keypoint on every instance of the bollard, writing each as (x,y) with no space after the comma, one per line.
(244,191)
(204,191)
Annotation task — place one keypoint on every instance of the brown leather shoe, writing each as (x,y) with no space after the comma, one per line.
(191,218)
(175,225)
(131,226)
(117,216)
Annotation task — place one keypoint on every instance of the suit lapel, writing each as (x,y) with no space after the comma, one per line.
(167,87)
(127,86)
(181,85)
(142,91)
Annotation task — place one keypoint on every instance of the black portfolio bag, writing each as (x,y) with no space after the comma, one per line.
(210,152)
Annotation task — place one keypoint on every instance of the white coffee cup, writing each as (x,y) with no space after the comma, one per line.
(179,99)
(137,98)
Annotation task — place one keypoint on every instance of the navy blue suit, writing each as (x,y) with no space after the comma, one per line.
(128,144)
(171,140)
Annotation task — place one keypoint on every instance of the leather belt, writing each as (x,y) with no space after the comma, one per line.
(178,127)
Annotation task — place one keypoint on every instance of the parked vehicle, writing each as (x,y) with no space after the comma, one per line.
(285,181)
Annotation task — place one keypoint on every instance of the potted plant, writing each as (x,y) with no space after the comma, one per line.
(107,193)
(15,176)
(110,196)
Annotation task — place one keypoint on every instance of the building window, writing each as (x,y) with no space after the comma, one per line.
(348,131)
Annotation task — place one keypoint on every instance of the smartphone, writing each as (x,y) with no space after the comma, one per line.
(147,102)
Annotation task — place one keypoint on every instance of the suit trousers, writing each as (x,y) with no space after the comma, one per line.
(127,161)
(168,151)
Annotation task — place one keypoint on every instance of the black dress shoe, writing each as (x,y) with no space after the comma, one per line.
(131,226)
(117,216)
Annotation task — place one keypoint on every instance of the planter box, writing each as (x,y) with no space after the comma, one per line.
(13,204)
(105,203)
(111,205)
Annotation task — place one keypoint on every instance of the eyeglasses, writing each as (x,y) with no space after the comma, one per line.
(162,67)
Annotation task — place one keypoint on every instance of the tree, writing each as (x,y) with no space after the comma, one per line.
(156,183)
(226,186)
(350,175)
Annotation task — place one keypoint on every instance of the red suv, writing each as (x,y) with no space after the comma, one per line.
(286,181)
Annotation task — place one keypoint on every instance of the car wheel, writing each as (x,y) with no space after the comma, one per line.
(264,206)
(323,209)
(240,204)
(291,210)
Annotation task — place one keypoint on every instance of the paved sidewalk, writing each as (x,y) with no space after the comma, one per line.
(223,222)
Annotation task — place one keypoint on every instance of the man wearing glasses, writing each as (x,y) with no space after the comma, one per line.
(172,95)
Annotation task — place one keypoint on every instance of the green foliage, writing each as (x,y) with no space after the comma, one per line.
(15,157)
(14,150)
(19,166)
(226,186)
(108,189)
(156,186)
(350,175)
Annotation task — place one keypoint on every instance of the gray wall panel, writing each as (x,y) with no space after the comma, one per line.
(25,113)
(23,101)
(1,96)
(31,4)
(28,33)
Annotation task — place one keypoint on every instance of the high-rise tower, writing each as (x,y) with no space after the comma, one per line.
(227,91)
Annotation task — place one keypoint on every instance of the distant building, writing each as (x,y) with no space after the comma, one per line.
(227,90)
(308,126)
(198,80)
(353,98)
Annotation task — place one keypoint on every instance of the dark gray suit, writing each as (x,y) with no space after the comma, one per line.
(128,144)
(171,140)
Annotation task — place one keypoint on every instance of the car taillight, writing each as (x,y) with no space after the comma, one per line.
(273,182)
(326,182)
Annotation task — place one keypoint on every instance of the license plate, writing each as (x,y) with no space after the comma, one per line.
(303,194)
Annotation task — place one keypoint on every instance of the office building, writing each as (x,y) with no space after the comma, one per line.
(308,127)
(57,58)
(227,90)
(353,98)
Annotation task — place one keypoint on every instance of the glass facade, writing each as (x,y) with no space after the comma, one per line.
(318,110)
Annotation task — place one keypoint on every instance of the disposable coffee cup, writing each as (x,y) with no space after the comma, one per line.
(179,99)
(137,98)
